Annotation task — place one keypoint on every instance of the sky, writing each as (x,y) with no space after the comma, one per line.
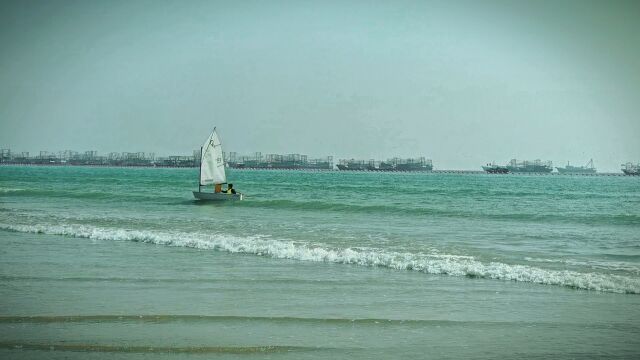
(461,82)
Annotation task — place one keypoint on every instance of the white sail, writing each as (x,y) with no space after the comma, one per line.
(212,161)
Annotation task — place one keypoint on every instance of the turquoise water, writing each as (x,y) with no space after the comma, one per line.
(104,262)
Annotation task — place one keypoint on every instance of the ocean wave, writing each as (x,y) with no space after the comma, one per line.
(10,190)
(124,319)
(91,194)
(594,264)
(439,264)
(408,209)
(543,260)
(61,346)
(166,318)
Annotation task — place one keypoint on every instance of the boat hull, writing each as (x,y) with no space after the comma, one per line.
(494,169)
(209,196)
(576,170)
(530,170)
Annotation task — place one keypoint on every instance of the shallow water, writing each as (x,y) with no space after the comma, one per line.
(102,262)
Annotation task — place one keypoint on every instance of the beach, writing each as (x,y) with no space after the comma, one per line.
(124,263)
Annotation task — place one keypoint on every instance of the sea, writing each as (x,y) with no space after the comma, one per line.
(124,263)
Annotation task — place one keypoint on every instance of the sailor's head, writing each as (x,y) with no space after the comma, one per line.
(230,186)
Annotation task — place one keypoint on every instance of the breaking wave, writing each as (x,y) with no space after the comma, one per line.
(453,265)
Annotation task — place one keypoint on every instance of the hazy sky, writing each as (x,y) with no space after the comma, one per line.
(461,82)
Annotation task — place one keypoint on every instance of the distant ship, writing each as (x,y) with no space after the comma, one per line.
(495,169)
(395,164)
(278,162)
(587,169)
(536,166)
(418,164)
(353,165)
(631,169)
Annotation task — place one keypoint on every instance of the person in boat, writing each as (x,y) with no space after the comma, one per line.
(230,189)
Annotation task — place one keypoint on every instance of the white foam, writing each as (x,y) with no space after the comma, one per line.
(454,265)
(593,264)
(542,260)
(10,190)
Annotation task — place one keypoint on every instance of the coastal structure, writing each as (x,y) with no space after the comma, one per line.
(92,158)
(259,161)
(278,162)
(394,164)
(535,166)
(142,159)
(572,170)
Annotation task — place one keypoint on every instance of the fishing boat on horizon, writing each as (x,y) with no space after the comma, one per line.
(569,169)
(533,167)
(419,164)
(212,172)
(631,169)
(495,169)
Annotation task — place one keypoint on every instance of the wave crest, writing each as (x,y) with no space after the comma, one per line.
(439,264)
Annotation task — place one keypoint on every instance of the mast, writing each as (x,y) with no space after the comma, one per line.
(200,176)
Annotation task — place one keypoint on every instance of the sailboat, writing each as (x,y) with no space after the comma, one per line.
(212,171)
